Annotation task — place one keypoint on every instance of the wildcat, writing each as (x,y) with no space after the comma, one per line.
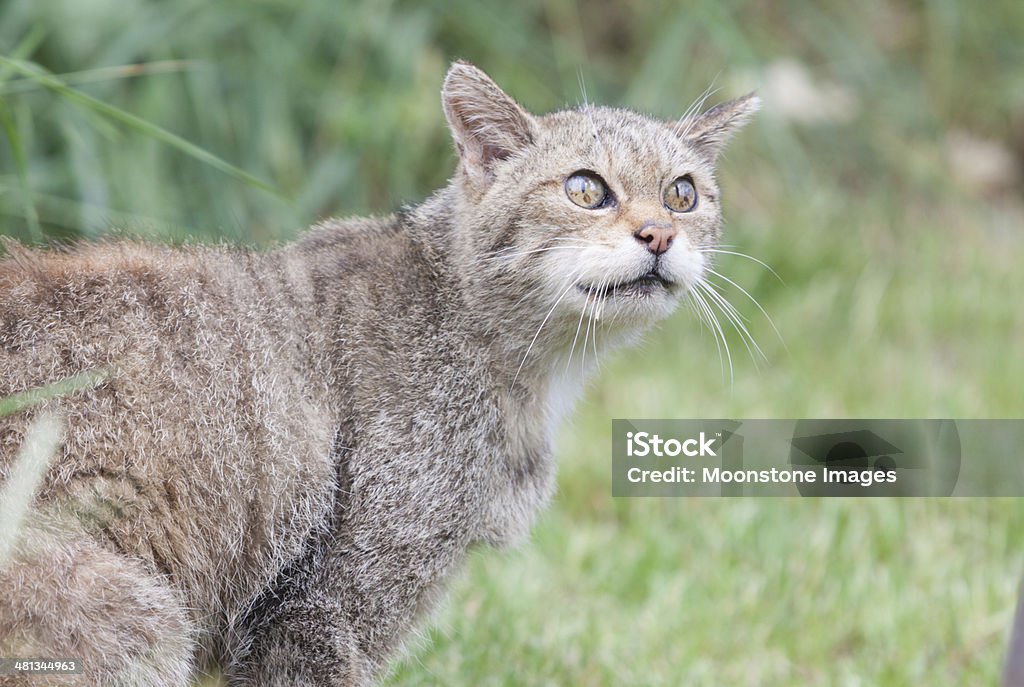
(289,452)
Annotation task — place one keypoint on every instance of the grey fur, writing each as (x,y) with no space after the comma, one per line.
(292,451)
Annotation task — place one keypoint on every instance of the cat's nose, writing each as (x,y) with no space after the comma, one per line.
(657,237)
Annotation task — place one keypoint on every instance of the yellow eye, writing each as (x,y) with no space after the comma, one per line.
(587,190)
(681,195)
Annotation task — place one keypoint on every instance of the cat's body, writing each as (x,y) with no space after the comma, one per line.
(291,452)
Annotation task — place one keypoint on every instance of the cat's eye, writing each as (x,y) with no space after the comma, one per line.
(681,195)
(587,190)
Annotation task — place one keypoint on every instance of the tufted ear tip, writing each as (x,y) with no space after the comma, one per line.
(753,101)
(461,69)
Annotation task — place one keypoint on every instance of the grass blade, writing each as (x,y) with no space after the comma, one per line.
(26,399)
(140,125)
(25,48)
(18,493)
(123,71)
(21,170)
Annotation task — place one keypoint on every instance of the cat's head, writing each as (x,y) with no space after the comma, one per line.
(592,210)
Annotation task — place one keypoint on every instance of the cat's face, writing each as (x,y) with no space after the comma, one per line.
(596,211)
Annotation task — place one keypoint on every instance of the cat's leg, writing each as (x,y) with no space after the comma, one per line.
(339,614)
(337,618)
(303,639)
(64,595)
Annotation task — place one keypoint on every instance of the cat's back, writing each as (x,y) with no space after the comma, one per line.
(68,310)
(191,417)
(139,316)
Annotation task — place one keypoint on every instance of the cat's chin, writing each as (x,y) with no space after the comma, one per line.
(650,285)
(648,290)
(636,301)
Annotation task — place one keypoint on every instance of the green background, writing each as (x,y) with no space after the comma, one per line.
(882,182)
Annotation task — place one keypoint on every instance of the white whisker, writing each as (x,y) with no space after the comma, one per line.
(583,311)
(592,303)
(572,285)
(743,255)
(716,329)
(691,302)
(596,317)
(688,116)
(587,109)
(752,300)
(510,256)
(735,319)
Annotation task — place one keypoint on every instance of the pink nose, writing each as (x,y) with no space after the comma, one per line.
(657,237)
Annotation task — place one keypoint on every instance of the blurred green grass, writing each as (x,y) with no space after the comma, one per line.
(889,200)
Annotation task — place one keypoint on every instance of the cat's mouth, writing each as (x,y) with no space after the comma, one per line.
(644,285)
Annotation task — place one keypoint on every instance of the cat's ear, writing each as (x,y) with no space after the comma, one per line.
(487,124)
(711,130)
